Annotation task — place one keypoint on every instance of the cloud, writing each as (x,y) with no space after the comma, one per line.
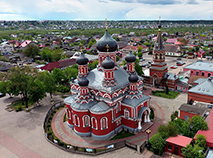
(192,2)
(154,2)
(101,9)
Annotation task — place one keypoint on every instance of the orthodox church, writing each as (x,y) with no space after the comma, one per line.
(108,98)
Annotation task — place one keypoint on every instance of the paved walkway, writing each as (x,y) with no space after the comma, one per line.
(21,133)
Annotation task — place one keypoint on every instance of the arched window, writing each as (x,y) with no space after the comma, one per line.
(76,120)
(160,56)
(156,56)
(203,73)
(197,73)
(126,113)
(94,123)
(86,121)
(118,106)
(209,74)
(104,123)
(69,115)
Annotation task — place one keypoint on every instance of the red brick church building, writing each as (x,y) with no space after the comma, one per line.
(157,75)
(108,98)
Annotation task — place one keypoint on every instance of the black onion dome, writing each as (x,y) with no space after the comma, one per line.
(133,78)
(82,60)
(159,26)
(106,40)
(130,57)
(82,81)
(108,63)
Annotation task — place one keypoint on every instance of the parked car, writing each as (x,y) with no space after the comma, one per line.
(180,63)
(2,94)
(150,62)
(179,58)
(144,65)
(142,59)
(173,67)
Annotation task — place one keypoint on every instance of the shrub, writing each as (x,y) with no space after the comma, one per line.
(152,114)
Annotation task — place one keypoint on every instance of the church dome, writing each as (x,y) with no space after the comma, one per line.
(82,81)
(133,78)
(106,41)
(130,57)
(82,60)
(108,63)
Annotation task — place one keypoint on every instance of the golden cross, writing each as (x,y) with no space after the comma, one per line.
(107,46)
(106,23)
(80,47)
(159,19)
(148,131)
(130,45)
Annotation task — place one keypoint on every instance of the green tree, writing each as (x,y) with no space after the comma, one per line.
(198,124)
(147,44)
(93,65)
(59,76)
(46,54)
(201,141)
(157,143)
(37,91)
(48,81)
(135,54)
(91,42)
(22,79)
(138,69)
(57,54)
(31,50)
(187,152)
(117,58)
(71,72)
(140,54)
(63,89)
(140,49)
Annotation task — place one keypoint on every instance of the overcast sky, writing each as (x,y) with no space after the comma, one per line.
(110,9)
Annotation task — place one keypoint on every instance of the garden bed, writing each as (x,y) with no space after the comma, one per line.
(170,95)
(122,134)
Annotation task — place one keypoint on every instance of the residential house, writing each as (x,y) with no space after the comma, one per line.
(173,50)
(171,40)
(6,48)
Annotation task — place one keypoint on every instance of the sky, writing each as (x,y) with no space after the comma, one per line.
(110,9)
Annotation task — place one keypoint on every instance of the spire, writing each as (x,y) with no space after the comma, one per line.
(106,23)
(159,41)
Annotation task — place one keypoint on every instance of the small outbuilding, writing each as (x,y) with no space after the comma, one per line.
(175,144)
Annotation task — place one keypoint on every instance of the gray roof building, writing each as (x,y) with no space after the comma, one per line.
(203,66)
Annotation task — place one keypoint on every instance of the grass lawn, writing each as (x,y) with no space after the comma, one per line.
(122,134)
(170,95)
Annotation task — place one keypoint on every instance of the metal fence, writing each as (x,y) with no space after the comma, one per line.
(77,149)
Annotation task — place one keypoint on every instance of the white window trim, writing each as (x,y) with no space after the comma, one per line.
(126,113)
(84,121)
(68,111)
(106,123)
(76,116)
(96,122)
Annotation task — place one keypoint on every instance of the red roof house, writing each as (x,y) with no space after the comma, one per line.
(58,64)
(175,144)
